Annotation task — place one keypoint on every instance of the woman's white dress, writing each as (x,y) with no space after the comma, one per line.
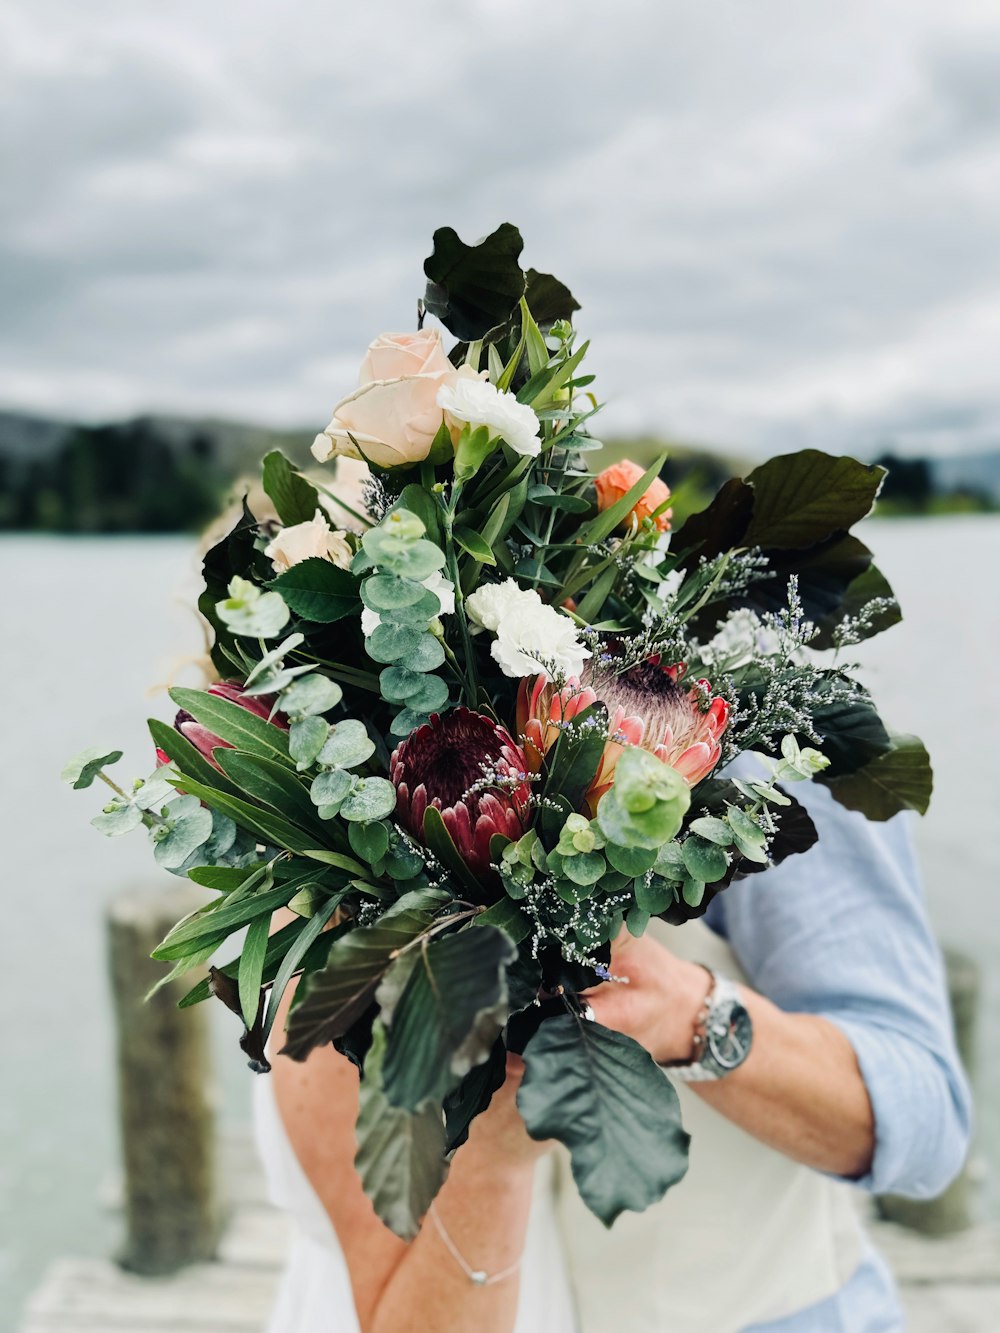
(747,1236)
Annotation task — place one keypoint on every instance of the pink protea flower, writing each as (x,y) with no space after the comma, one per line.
(205,741)
(473,771)
(646,706)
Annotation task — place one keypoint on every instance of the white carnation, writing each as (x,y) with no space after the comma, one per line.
(479,403)
(492,602)
(532,638)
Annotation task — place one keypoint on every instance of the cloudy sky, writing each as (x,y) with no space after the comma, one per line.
(782,219)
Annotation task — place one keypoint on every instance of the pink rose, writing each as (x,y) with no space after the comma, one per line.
(393,416)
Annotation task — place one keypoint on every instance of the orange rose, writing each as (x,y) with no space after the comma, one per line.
(618,479)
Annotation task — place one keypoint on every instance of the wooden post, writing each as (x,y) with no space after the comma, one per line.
(164,1091)
(950,1211)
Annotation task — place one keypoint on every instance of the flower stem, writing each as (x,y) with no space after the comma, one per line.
(471,678)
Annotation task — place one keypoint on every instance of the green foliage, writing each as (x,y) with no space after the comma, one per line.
(449,1014)
(401,1154)
(295,499)
(318,591)
(646,805)
(83,768)
(474,288)
(600,1093)
(898,779)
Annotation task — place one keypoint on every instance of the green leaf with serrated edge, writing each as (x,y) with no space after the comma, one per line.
(295,955)
(400,1158)
(449,1015)
(186,759)
(241,728)
(475,545)
(901,779)
(318,591)
(252,967)
(506,916)
(306,737)
(83,768)
(226,918)
(715,830)
(295,499)
(333,998)
(704,860)
(274,785)
(800,499)
(264,824)
(312,694)
(600,1093)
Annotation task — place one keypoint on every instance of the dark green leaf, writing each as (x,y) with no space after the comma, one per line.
(319,591)
(473,544)
(274,785)
(335,997)
(224,919)
(506,915)
(851,733)
(547,298)
(83,768)
(295,499)
(802,498)
(900,779)
(449,1015)
(297,951)
(474,1094)
(571,764)
(252,967)
(400,1157)
(473,288)
(600,1093)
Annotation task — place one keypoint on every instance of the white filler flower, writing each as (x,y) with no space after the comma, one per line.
(479,403)
(531,638)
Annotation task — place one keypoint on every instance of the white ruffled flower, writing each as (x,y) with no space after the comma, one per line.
(442,588)
(476,402)
(532,638)
(310,540)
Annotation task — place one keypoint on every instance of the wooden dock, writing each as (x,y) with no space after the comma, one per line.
(948,1285)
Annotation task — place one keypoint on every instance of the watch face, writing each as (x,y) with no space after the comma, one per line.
(729,1035)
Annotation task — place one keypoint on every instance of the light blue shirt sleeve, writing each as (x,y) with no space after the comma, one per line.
(841,931)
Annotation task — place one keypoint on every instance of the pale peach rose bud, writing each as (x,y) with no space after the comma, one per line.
(313,539)
(616,480)
(391,419)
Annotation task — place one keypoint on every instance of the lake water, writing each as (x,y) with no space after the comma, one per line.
(90,625)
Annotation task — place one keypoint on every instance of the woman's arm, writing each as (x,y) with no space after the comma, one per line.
(483,1205)
(800,1090)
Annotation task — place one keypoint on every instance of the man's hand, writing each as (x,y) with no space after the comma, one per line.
(659,1004)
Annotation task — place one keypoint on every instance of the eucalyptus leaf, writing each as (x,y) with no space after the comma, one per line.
(251,612)
(309,695)
(371,799)
(117,819)
(83,768)
(306,738)
(348,745)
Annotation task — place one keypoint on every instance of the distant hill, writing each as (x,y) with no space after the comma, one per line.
(148,474)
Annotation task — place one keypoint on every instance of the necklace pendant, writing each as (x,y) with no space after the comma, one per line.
(478,1277)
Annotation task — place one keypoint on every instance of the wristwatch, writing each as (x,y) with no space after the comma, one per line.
(723,1035)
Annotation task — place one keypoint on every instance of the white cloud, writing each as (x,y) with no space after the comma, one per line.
(780,219)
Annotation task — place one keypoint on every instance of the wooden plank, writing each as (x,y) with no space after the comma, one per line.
(91,1294)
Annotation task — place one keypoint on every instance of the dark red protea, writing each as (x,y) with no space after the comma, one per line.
(206,741)
(473,771)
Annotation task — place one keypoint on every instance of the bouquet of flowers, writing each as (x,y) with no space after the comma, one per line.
(477,725)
